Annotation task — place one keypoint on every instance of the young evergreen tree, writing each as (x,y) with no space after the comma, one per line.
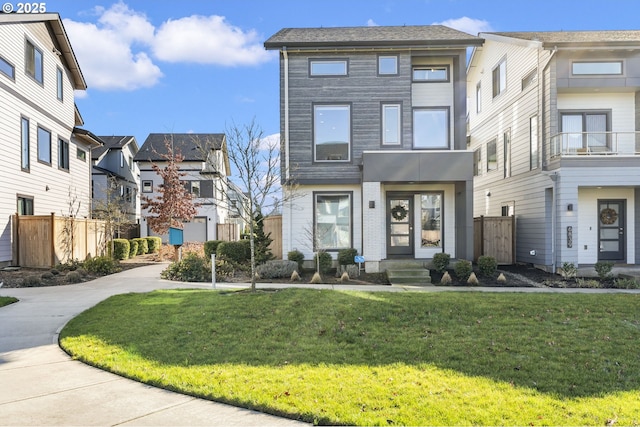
(261,241)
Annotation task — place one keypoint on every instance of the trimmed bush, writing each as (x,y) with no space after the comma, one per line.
(133,248)
(121,248)
(73,277)
(235,252)
(102,265)
(603,268)
(296,256)
(210,247)
(487,265)
(192,268)
(346,256)
(143,246)
(463,269)
(276,269)
(32,281)
(154,243)
(440,261)
(325,261)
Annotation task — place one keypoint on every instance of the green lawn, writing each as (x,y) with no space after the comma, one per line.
(7,300)
(359,358)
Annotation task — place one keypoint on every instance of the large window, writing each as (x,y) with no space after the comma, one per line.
(33,62)
(431,220)
(332,221)
(25,162)
(25,205)
(585,130)
(596,68)
(63,154)
(391,124)
(328,67)
(431,73)
(500,78)
(387,65)
(44,145)
(7,68)
(431,128)
(492,156)
(332,133)
(533,141)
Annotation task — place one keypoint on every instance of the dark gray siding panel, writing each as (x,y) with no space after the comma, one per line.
(437,166)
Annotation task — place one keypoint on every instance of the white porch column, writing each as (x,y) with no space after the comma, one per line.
(374,241)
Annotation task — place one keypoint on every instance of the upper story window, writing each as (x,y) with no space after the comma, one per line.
(332,133)
(478,98)
(391,124)
(24,137)
(431,128)
(388,65)
(7,68)
(529,79)
(534,159)
(499,76)
(328,67)
(33,62)
(492,156)
(81,154)
(477,159)
(59,84)
(147,186)
(121,159)
(431,73)
(596,68)
(63,154)
(44,145)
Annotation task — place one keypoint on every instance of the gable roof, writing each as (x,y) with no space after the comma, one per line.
(94,141)
(189,145)
(550,39)
(58,35)
(374,36)
(116,143)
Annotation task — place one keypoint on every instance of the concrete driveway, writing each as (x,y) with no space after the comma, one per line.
(41,385)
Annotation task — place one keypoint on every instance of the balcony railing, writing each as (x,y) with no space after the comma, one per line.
(595,144)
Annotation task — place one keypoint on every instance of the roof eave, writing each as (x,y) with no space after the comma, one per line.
(439,44)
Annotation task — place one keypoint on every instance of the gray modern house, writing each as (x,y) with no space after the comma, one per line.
(553,123)
(373,134)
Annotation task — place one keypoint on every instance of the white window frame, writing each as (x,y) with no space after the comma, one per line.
(382,58)
(595,68)
(316,68)
(422,73)
(499,84)
(388,114)
(318,240)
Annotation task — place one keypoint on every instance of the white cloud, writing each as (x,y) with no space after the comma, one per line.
(207,40)
(468,25)
(270,141)
(371,23)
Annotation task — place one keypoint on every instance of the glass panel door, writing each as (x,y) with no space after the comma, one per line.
(596,127)
(611,230)
(400,225)
(572,132)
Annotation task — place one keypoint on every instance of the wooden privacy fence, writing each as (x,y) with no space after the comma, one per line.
(42,241)
(227,232)
(495,236)
(273,225)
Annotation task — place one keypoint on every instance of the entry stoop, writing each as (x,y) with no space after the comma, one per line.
(407,272)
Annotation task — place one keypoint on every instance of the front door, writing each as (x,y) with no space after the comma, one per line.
(611,230)
(400,225)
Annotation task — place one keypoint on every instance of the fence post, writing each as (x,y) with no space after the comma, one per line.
(53,239)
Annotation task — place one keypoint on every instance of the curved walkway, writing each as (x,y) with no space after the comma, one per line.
(42,385)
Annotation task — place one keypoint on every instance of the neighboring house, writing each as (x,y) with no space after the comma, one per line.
(374,141)
(45,165)
(553,121)
(116,176)
(206,165)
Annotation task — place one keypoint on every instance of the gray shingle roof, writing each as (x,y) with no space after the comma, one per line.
(113,142)
(423,35)
(187,143)
(567,38)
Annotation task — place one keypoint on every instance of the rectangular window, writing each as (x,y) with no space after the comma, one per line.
(81,154)
(332,133)
(435,73)
(63,154)
(492,156)
(121,159)
(533,138)
(127,194)
(147,186)
(59,84)
(387,65)
(586,131)
(529,79)
(332,221)
(328,67)
(25,162)
(391,124)
(431,220)
(596,68)
(25,205)
(431,128)
(33,62)
(478,98)
(477,159)
(44,146)
(7,68)
(506,147)
(500,78)
(130,163)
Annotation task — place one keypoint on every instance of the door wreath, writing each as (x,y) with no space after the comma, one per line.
(399,212)
(608,216)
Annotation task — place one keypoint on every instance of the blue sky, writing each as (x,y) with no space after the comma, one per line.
(156,66)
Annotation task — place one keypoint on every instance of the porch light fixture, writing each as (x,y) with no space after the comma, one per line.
(570,207)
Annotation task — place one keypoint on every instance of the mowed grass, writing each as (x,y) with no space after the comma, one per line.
(357,358)
(7,300)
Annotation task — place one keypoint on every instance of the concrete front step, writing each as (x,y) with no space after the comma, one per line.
(415,276)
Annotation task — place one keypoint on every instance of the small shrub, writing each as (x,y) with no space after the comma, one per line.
(47,275)
(624,283)
(569,270)
(325,261)
(192,268)
(121,249)
(316,279)
(345,277)
(347,256)
(446,279)
(55,271)
(296,256)
(82,271)
(440,262)
(502,279)
(31,281)
(210,247)
(143,246)
(73,277)
(133,248)
(588,283)
(238,252)
(603,268)
(102,265)
(473,280)
(154,243)
(463,269)
(69,265)
(487,265)
(223,268)
(276,269)
(295,277)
